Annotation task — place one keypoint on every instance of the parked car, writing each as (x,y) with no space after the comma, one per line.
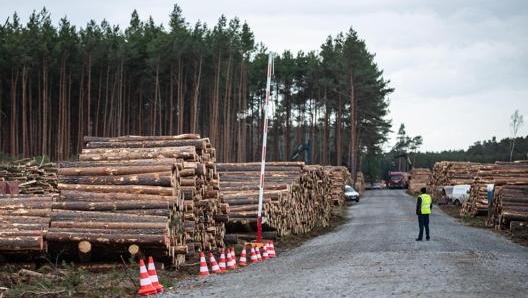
(351,194)
(376,185)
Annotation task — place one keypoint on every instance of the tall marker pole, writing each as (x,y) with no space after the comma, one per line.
(264,138)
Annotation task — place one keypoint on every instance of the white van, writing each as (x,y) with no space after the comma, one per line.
(460,193)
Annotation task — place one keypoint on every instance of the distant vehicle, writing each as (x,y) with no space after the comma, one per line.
(447,194)
(351,194)
(376,185)
(460,193)
(397,180)
(455,194)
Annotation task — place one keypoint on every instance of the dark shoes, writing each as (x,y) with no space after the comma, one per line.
(420,239)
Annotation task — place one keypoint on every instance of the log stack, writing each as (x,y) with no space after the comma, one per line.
(339,177)
(419,177)
(296,198)
(360,183)
(477,202)
(24,221)
(27,189)
(32,175)
(156,194)
(451,173)
(498,174)
(509,209)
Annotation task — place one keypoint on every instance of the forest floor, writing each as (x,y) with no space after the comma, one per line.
(116,280)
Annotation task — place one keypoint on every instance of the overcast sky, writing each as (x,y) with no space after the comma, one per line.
(459,67)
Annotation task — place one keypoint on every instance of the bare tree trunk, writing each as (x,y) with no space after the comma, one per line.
(45,108)
(326,125)
(226,131)
(353,130)
(81,122)
(89,98)
(214,127)
(181,101)
(196,98)
(156,121)
(105,112)
(339,140)
(25,139)
(12,137)
(120,100)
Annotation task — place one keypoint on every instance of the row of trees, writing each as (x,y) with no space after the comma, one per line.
(58,84)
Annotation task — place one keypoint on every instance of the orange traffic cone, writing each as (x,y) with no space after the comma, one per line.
(229,260)
(242,261)
(145,285)
(222,263)
(265,255)
(204,271)
(254,258)
(214,266)
(154,276)
(257,251)
(271,251)
(233,256)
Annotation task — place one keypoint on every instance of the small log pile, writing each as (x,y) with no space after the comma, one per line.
(477,202)
(33,175)
(24,221)
(498,174)
(339,177)
(451,173)
(510,197)
(510,208)
(360,183)
(418,178)
(155,194)
(296,198)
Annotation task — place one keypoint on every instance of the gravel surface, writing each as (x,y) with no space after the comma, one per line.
(374,254)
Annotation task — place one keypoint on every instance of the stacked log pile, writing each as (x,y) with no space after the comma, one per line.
(339,177)
(33,175)
(499,174)
(360,183)
(296,198)
(477,202)
(24,221)
(419,177)
(451,173)
(157,194)
(510,207)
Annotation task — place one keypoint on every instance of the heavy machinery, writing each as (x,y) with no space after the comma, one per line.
(307,148)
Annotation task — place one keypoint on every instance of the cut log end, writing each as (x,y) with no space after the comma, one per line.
(84,247)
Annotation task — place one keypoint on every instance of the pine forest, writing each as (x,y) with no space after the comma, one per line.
(59,83)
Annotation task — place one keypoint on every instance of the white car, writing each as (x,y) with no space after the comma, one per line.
(351,194)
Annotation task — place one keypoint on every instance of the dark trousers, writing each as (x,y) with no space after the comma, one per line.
(423,222)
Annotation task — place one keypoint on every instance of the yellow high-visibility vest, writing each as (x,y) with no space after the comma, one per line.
(426,203)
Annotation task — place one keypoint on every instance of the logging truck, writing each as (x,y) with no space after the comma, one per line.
(397,180)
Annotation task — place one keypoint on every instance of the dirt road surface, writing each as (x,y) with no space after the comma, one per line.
(374,254)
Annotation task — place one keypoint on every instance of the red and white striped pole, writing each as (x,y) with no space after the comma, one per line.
(264,139)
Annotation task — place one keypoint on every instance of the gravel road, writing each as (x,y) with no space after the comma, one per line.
(374,254)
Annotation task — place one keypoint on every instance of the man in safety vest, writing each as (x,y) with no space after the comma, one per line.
(424,204)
